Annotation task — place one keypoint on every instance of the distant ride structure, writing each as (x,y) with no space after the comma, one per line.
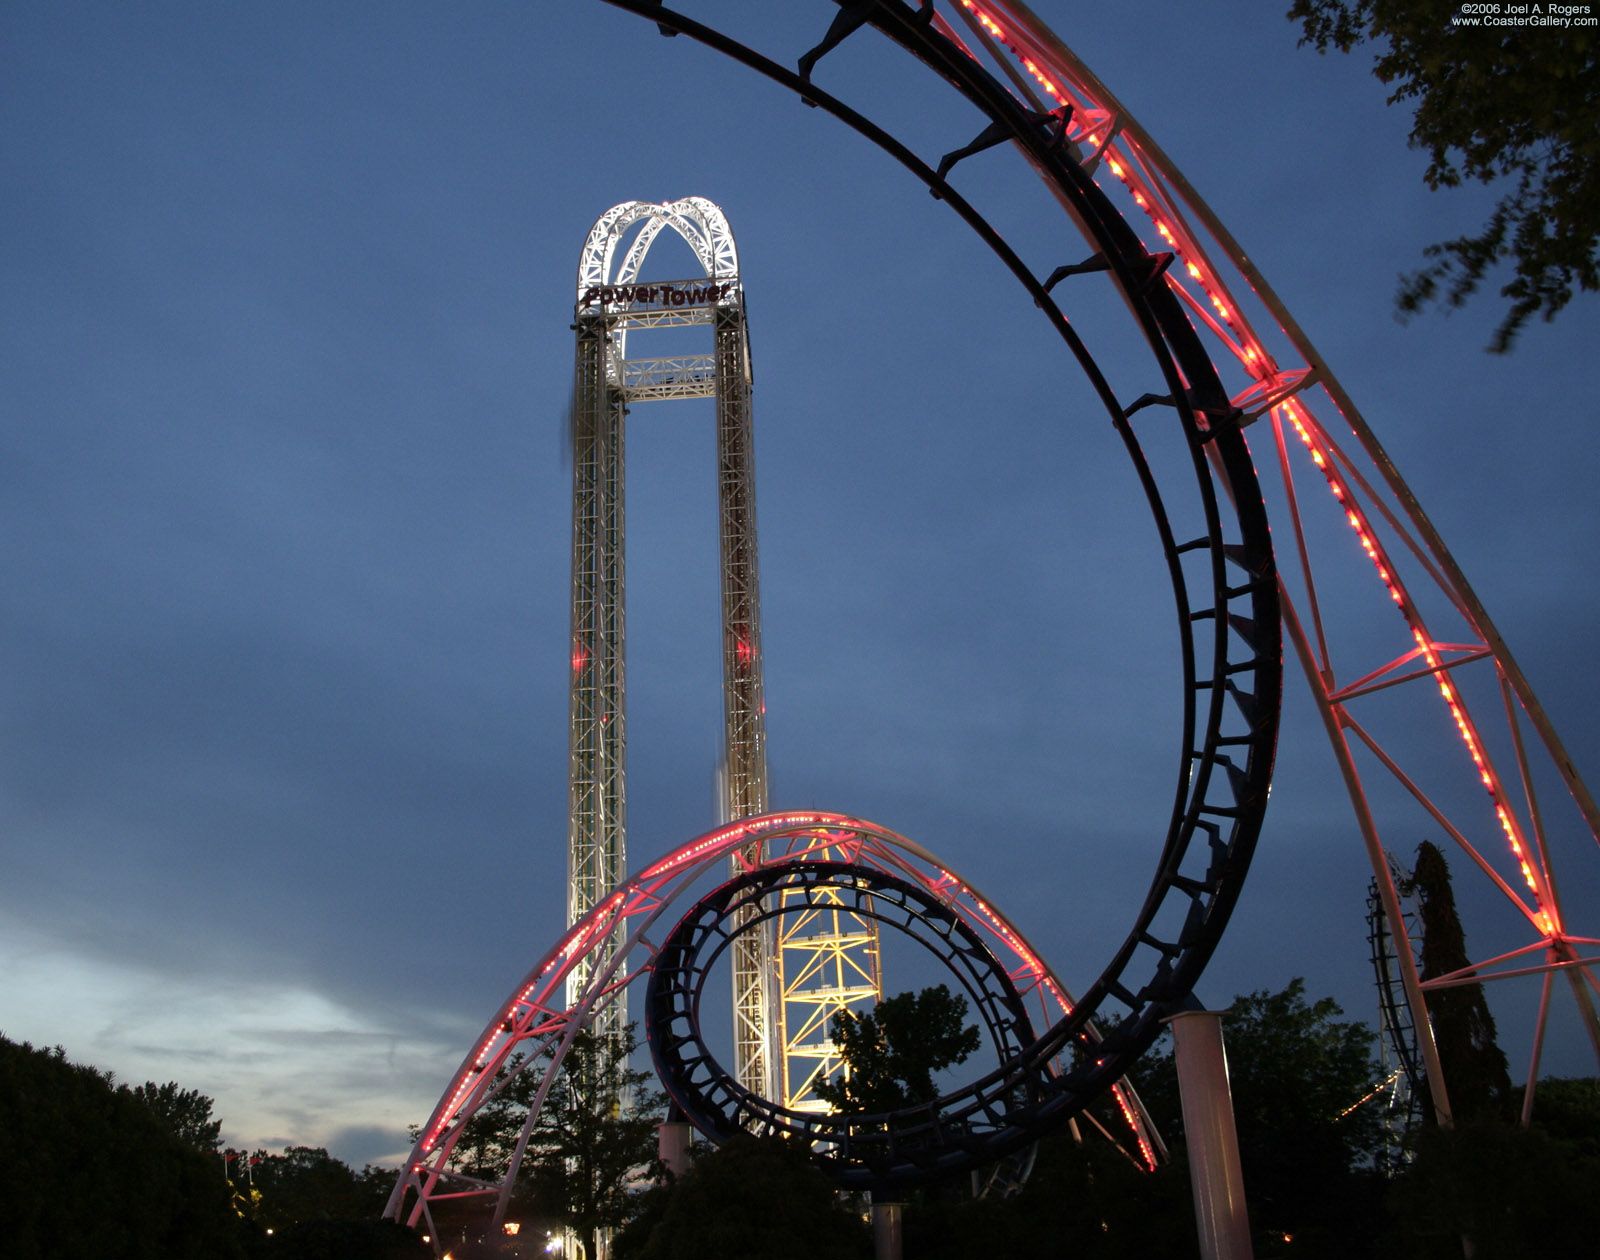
(1401,1086)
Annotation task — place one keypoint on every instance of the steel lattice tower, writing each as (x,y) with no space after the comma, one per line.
(597,788)
(611,301)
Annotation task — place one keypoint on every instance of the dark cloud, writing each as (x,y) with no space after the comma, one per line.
(359,1144)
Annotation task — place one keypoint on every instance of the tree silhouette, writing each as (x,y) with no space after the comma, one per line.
(1496,105)
(1296,1070)
(87,1171)
(594,1137)
(1474,1066)
(185,1113)
(751,1198)
(892,1052)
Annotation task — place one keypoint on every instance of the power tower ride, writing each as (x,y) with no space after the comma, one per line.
(834,953)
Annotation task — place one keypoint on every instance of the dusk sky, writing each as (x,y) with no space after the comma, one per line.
(284,361)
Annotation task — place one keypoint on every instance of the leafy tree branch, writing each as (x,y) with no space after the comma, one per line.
(1509,106)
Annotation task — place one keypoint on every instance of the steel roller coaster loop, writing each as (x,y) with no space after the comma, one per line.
(1448,646)
(1219,558)
(1288,382)
(864,1152)
(532,1030)
(1404,1084)
(1211,528)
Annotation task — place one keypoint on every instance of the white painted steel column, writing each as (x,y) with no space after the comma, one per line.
(887,1230)
(1208,1129)
(674,1139)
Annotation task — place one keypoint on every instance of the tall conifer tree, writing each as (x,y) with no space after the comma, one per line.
(1475,1069)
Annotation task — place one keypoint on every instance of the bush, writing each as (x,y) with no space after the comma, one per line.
(1514,1192)
(749,1198)
(87,1170)
(346,1240)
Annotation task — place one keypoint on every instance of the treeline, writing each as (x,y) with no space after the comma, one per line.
(1327,1176)
(93,1169)
(89,1168)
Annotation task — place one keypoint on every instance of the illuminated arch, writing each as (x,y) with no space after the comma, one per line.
(540,1017)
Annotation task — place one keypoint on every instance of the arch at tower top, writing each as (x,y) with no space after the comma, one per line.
(701,224)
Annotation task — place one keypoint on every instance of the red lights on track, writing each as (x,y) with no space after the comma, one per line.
(1196,268)
(990,25)
(539,1010)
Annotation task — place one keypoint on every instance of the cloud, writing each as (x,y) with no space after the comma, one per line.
(282,1064)
(365,1144)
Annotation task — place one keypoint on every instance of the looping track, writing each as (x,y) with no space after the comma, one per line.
(1219,558)
(862,1152)
(1211,529)
(532,1029)
(1478,769)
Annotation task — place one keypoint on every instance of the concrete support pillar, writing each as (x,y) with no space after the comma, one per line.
(887,1241)
(1209,1133)
(673,1140)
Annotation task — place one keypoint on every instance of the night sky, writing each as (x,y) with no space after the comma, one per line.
(284,363)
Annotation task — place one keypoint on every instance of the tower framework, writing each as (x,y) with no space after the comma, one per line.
(612,300)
